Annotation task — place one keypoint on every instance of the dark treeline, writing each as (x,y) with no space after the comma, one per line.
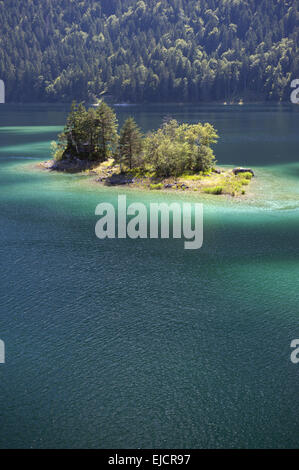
(168,50)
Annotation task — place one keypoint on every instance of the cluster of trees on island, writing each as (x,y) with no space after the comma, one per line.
(92,135)
(149,50)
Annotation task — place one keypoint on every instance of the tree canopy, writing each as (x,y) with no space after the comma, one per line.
(172,150)
(170,50)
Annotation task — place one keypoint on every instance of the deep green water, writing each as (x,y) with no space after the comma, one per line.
(123,343)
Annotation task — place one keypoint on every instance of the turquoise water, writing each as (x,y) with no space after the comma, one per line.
(123,343)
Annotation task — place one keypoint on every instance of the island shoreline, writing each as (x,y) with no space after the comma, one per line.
(221,181)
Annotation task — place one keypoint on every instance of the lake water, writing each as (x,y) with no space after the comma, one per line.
(142,344)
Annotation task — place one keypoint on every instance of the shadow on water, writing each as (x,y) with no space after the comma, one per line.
(249,135)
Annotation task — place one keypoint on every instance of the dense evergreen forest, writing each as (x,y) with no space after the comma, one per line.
(135,51)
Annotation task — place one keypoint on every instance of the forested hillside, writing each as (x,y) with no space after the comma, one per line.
(168,50)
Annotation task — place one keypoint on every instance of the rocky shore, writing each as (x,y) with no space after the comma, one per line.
(219,181)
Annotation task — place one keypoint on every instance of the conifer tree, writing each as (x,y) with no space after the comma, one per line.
(107,137)
(130,143)
(153,51)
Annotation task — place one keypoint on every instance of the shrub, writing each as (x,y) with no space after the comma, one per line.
(156,186)
(214,190)
(244,181)
(57,151)
(247,175)
(137,172)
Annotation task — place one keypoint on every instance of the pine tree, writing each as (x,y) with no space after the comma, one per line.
(130,143)
(107,137)
(90,134)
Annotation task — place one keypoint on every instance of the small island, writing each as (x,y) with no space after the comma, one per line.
(175,157)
